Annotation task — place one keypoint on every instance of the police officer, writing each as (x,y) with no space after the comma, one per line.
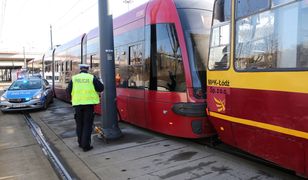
(84,88)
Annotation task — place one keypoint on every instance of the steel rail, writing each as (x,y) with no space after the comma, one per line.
(37,133)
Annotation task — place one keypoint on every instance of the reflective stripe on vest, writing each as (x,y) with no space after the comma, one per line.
(83,91)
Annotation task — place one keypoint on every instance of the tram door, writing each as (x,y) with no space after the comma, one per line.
(135,86)
(164,76)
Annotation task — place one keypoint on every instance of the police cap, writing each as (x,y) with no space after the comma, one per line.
(86,66)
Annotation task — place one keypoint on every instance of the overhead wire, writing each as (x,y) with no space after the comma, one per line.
(66,23)
(76,16)
(67,12)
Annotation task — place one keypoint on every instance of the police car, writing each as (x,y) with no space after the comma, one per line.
(27,93)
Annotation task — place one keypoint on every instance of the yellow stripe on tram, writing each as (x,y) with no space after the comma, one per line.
(270,127)
(269,81)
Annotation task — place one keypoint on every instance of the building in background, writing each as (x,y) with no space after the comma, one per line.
(12,62)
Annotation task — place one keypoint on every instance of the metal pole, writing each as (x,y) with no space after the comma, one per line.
(53,69)
(25,60)
(43,66)
(111,128)
(51,44)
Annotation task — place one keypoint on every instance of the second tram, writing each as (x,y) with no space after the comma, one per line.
(257,79)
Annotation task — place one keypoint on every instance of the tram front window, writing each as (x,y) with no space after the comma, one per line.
(196,24)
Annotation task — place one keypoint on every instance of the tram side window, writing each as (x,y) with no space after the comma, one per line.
(74,68)
(96,65)
(62,69)
(48,67)
(220,48)
(164,69)
(66,66)
(220,36)
(135,66)
(56,66)
(248,7)
(71,65)
(122,73)
(275,39)
(117,66)
(280,2)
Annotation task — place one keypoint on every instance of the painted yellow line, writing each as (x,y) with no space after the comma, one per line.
(270,127)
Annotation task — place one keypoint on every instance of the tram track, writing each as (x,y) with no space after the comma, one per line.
(58,166)
(213,143)
(216,144)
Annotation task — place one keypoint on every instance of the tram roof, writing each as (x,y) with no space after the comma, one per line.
(92,33)
(195,4)
(132,15)
(71,43)
(128,17)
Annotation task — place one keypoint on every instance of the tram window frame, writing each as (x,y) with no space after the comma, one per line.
(71,65)
(251,11)
(277,32)
(56,66)
(218,14)
(164,72)
(122,66)
(280,3)
(135,66)
(122,41)
(67,66)
(91,61)
(218,24)
(62,66)
(224,48)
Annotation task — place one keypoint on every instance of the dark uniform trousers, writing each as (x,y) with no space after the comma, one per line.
(84,118)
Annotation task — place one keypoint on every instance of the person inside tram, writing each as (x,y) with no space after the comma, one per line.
(223,63)
(172,85)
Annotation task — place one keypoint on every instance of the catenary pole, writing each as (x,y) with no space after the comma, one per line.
(51,43)
(110,128)
(53,69)
(43,66)
(25,60)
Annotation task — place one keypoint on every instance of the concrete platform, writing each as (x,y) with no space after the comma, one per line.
(20,155)
(141,154)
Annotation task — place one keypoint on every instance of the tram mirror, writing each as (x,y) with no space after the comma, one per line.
(219,10)
(222,11)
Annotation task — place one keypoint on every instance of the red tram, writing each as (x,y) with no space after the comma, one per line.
(257,79)
(66,59)
(160,56)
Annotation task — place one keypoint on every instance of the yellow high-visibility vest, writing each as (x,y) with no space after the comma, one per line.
(83,92)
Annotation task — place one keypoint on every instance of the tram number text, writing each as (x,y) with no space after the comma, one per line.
(216,82)
(218,91)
